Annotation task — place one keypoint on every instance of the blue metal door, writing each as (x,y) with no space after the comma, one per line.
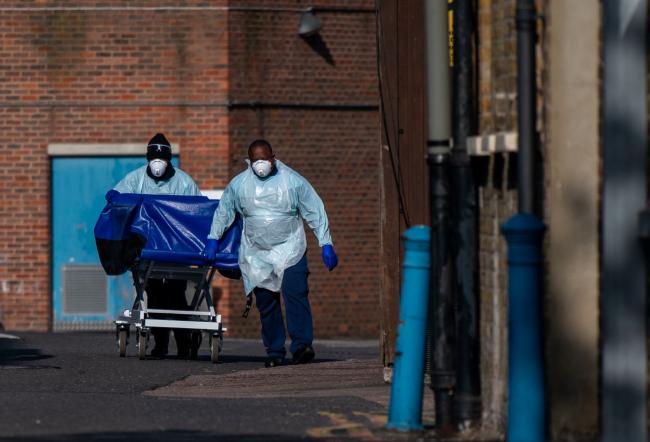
(83,296)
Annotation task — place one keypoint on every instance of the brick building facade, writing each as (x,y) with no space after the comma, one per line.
(212,76)
(497,113)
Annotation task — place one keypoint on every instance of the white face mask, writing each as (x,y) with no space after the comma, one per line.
(158,167)
(262,168)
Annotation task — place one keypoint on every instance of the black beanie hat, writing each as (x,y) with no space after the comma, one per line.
(159,147)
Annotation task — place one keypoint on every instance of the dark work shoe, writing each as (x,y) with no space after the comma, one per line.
(159,352)
(304,355)
(184,352)
(161,339)
(273,361)
(195,344)
(183,343)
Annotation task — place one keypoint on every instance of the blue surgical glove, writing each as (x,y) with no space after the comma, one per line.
(329,257)
(111,194)
(210,251)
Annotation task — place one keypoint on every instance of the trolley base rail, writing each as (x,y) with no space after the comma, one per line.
(200,318)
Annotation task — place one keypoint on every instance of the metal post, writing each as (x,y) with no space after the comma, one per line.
(526,407)
(623,280)
(441,302)
(405,409)
(464,209)
(526,102)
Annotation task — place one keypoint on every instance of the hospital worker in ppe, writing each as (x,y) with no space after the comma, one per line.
(272,198)
(159,177)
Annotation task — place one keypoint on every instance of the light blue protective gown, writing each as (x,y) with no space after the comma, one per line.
(273,238)
(138,181)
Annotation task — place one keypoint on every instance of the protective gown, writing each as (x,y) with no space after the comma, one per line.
(273,238)
(138,181)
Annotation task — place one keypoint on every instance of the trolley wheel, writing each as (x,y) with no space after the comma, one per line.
(122,342)
(216,342)
(195,344)
(142,345)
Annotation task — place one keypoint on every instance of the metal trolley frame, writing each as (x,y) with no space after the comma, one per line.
(198,319)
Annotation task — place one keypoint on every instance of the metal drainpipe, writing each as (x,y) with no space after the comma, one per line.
(441,302)
(526,103)
(464,208)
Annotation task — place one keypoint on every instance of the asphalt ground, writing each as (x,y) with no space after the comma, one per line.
(73,387)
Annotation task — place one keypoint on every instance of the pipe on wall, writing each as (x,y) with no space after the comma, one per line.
(441,328)
(464,209)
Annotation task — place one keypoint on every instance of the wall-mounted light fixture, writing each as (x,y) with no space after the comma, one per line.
(309,24)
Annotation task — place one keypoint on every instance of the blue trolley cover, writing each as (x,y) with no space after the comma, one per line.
(165,228)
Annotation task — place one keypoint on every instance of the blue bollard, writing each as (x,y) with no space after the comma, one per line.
(526,403)
(405,409)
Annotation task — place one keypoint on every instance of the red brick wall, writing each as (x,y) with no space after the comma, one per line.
(115,77)
(118,76)
(24,201)
(336,150)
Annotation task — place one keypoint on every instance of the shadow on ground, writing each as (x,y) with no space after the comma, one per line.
(14,354)
(230,359)
(159,436)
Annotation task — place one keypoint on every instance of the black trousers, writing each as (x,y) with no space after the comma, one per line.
(168,294)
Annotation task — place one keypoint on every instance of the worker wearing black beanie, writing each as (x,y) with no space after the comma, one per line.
(159,147)
(159,177)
